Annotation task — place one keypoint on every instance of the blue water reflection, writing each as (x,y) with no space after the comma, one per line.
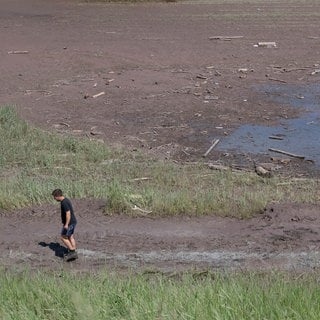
(299,136)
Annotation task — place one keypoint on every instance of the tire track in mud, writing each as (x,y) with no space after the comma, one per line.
(168,261)
(284,237)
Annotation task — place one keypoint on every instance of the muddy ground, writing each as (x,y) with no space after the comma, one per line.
(166,79)
(283,237)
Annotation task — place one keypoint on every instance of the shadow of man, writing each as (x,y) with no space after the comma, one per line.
(58,249)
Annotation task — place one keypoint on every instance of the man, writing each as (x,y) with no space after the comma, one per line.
(69,223)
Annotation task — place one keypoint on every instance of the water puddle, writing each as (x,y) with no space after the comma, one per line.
(300,136)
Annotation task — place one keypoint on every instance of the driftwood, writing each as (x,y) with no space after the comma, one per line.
(98,94)
(267,44)
(296,69)
(18,52)
(275,137)
(218,167)
(225,38)
(29,91)
(262,172)
(278,80)
(280,160)
(214,143)
(144,212)
(200,76)
(64,124)
(232,168)
(287,153)
(141,179)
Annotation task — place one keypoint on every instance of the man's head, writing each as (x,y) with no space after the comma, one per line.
(57,194)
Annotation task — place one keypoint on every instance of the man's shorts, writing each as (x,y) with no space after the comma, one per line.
(68,232)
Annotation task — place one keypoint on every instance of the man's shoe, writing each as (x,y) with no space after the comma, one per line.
(70,256)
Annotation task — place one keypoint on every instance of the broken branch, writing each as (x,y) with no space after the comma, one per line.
(98,94)
(287,153)
(18,52)
(214,143)
(225,38)
(278,80)
(275,137)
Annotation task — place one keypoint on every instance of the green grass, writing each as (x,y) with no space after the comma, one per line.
(187,296)
(34,162)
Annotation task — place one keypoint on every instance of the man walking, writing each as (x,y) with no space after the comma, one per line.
(69,223)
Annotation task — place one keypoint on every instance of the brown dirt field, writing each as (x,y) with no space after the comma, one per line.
(169,90)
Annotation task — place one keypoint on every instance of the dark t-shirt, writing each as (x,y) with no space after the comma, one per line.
(66,206)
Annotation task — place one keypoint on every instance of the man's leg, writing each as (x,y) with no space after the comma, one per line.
(69,241)
(70,244)
(68,238)
(66,241)
(73,242)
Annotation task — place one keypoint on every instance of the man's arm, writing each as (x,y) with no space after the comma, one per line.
(68,218)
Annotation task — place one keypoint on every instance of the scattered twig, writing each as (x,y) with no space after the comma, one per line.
(233,168)
(180,71)
(95,133)
(218,167)
(140,179)
(64,124)
(136,208)
(18,52)
(200,76)
(287,153)
(29,91)
(296,69)
(170,127)
(225,38)
(98,94)
(275,137)
(85,80)
(267,44)
(108,81)
(278,80)
(214,143)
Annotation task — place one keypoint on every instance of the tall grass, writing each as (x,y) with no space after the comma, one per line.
(107,296)
(34,162)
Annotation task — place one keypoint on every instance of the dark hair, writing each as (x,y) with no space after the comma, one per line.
(57,193)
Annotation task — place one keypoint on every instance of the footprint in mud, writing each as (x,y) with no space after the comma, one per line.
(300,232)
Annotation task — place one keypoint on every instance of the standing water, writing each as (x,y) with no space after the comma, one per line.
(300,136)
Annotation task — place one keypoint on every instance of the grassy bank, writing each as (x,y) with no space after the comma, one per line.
(34,162)
(106,296)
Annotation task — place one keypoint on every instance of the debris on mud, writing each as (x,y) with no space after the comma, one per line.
(171,92)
